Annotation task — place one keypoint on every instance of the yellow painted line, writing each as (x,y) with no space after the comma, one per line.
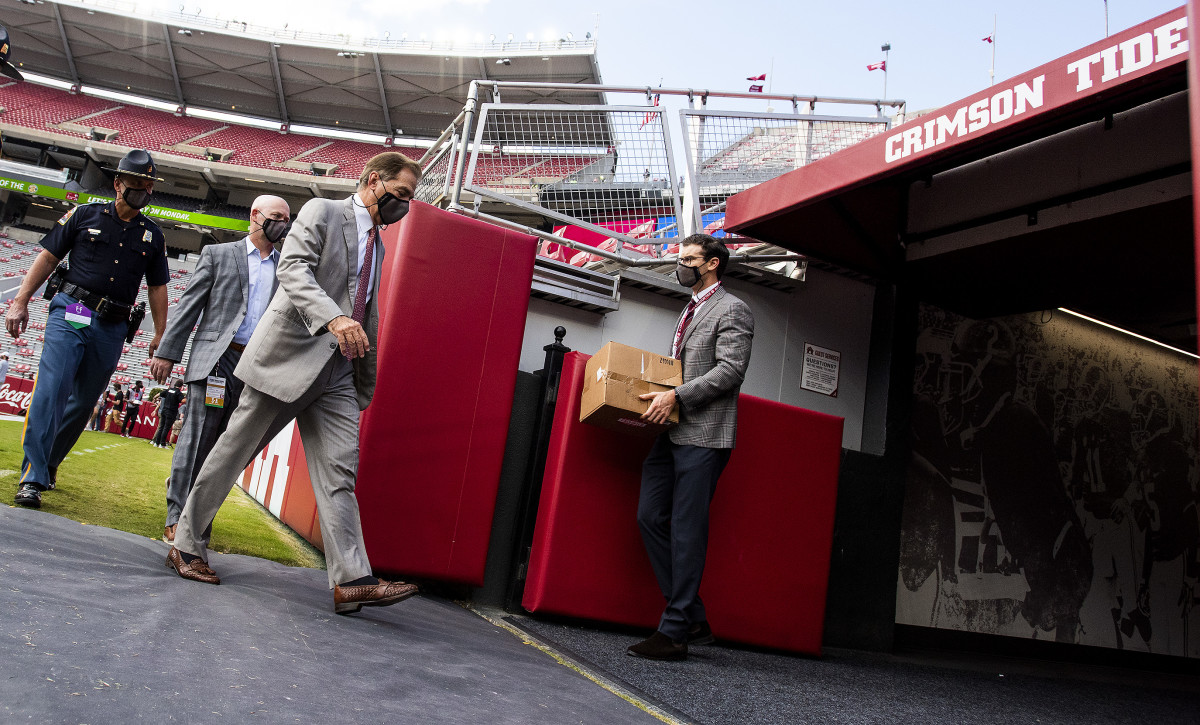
(571,664)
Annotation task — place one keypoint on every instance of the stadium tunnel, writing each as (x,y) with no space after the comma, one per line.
(942,250)
(1019,433)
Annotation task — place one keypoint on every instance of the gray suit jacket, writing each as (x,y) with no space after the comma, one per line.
(219,289)
(715,353)
(318,273)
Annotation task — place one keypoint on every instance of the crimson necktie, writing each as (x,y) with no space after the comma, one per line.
(364,278)
(683,325)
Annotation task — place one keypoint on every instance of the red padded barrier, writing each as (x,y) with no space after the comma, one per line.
(453,301)
(770,532)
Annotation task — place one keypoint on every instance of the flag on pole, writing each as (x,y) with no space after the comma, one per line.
(756,89)
(761,77)
(988,39)
(649,114)
(881,65)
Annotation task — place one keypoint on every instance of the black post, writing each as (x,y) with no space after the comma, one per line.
(532,489)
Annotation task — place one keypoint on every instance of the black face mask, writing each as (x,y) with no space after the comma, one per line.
(692,273)
(275,229)
(391,208)
(136,198)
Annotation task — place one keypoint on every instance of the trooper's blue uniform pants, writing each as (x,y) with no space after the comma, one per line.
(75,367)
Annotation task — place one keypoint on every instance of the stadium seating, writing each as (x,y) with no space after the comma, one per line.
(43,108)
(151,129)
(33,106)
(351,156)
(25,352)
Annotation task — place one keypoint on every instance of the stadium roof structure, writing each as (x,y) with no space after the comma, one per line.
(410,88)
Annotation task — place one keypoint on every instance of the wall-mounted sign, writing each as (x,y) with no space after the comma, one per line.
(78,197)
(821,368)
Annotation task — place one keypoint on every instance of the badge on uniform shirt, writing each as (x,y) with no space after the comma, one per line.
(67,216)
(214,393)
(147,236)
(78,316)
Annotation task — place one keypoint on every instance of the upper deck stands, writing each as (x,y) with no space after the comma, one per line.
(32,106)
(151,129)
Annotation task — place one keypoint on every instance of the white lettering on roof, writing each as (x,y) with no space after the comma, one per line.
(1120,59)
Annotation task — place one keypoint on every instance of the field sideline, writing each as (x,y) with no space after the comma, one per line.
(120,483)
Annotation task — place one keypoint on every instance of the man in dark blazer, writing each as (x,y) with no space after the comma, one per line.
(679,477)
(313,359)
(231,287)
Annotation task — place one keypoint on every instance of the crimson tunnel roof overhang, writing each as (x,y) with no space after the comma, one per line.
(849,209)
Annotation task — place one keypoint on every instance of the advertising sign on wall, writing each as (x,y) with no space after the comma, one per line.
(79,197)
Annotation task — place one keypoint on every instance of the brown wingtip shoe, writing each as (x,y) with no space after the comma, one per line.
(197,571)
(169,534)
(350,599)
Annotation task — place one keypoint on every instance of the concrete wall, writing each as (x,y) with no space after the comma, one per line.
(828,310)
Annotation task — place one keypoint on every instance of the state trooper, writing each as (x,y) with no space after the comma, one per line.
(6,67)
(112,246)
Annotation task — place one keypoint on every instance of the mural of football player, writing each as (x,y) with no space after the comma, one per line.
(1037,520)
(1163,505)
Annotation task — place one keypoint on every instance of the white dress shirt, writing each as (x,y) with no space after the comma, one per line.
(262,281)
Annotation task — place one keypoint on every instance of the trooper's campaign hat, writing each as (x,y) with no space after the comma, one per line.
(7,68)
(137,163)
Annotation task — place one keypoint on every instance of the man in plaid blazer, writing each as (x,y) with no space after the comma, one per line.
(679,476)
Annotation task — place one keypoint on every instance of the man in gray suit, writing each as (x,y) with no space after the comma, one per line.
(232,286)
(313,359)
(679,476)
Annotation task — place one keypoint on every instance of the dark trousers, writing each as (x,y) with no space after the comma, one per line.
(74,370)
(678,483)
(162,435)
(131,414)
(201,428)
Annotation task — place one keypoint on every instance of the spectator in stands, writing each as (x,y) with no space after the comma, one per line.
(315,363)
(228,293)
(133,406)
(679,476)
(3,366)
(112,247)
(168,411)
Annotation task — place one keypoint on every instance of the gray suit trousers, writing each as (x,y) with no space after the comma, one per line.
(327,415)
(201,427)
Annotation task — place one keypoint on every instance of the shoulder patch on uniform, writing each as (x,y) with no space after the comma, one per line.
(67,216)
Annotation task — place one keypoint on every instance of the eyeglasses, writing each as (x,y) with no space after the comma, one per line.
(692,259)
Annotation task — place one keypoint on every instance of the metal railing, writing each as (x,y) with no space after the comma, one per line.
(611,188)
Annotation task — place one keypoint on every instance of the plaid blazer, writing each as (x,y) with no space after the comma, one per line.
(715,352)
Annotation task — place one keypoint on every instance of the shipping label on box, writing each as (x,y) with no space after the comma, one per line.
(615,377)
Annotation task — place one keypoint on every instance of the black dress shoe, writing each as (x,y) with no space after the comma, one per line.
(29,495)
(700,633)
(659,647)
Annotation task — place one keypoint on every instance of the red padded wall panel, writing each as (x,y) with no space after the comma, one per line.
(453,300)
(771,525)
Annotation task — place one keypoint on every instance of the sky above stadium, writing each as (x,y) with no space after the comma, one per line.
(938,52)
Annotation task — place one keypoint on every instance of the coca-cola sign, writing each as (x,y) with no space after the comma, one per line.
(15,394)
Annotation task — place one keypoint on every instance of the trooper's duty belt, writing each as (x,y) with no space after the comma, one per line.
(105,308)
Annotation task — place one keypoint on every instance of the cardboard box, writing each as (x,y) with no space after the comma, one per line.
(613,380)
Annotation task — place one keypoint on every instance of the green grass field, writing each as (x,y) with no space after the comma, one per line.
(120,483)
